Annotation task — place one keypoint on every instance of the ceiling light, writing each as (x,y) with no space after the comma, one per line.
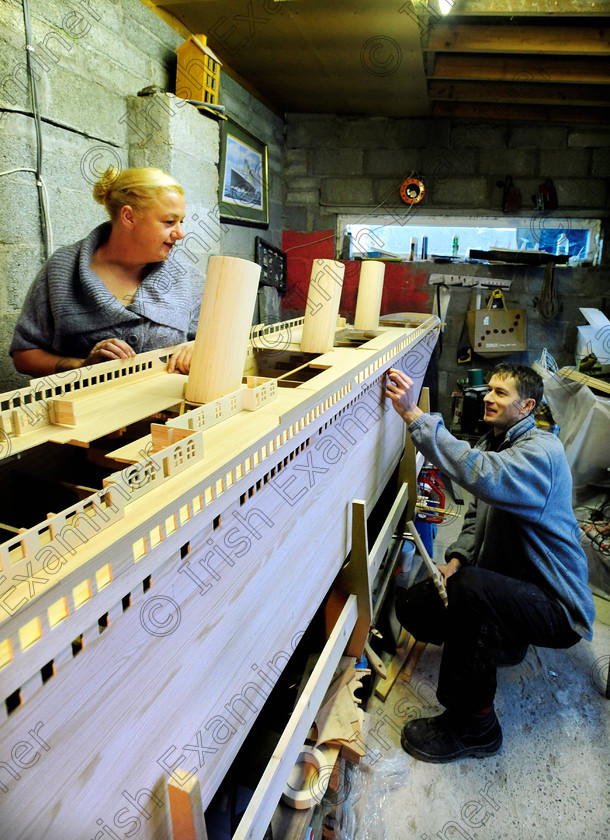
(445,6)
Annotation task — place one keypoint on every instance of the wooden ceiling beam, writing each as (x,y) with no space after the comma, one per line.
(503,38)
(532,8)
(530,94)
(520,112)
(513,68)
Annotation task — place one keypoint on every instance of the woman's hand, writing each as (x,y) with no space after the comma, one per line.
(180,362)
(399,388)
(109,350)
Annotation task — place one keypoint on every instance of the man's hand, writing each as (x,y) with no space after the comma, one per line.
(449,568)
(399,388)
(180,362)
(109,350)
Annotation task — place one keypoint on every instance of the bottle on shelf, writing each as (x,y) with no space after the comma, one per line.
(562,246)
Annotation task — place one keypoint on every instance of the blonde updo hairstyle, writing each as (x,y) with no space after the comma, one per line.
(138,188)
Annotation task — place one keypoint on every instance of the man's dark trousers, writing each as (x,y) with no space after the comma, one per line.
(487,613)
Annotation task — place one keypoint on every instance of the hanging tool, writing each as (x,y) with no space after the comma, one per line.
(436,576)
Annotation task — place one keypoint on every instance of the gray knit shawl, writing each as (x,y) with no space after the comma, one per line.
(69,309)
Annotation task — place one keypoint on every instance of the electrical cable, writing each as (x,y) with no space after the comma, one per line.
(43,199)
(358,221)
(548,305)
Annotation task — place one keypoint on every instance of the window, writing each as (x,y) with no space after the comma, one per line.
(456,236)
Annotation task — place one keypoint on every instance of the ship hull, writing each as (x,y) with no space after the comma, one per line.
(195,634)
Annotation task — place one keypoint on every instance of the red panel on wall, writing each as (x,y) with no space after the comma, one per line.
(301,250)
(405,287)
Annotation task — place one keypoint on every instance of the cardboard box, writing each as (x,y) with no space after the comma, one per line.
(593,344)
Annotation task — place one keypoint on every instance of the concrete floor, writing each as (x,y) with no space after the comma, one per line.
(549,781)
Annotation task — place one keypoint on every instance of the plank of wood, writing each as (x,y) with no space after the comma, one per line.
(551,93)
(558,40)
(590,381)
(396,515)
(258,813)
(424,400)
(102,412)
(405,644)
(412,660)
(507,68)
(411,461)
(290,824)
(186,812)
(534,8)
(354,578)
(407,475)
(520,111)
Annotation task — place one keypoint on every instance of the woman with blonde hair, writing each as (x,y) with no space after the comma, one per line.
(116,292)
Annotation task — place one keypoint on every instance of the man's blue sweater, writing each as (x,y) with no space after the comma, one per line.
(522,511)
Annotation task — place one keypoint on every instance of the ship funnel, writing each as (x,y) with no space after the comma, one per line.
(370,288)
(225,320)
(322,307)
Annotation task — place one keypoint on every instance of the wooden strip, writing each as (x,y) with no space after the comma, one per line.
(558,40)
(258,813)
(407,474)
(424,400)
(388,528)
(186,812)
(516,91)
(510,68)
(355,579)
(413,659)
(411,461)
(404,647)
(508,111)
(590,381)
(548,8)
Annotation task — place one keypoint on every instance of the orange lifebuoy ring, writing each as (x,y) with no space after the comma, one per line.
(412,191)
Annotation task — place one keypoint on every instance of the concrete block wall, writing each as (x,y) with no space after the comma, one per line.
(267,126)
(90,60)
(337,165)
(168,133)
(239,240)
(340,164)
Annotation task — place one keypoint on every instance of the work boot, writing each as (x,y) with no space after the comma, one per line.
(510,656)
(452,735)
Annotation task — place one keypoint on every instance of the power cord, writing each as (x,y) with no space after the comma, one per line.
(548,305)
(43,196)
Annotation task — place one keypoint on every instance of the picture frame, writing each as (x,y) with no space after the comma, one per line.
(244,180)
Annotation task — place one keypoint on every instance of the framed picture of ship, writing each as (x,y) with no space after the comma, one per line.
(244,185)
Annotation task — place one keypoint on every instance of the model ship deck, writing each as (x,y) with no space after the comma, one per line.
(203,508)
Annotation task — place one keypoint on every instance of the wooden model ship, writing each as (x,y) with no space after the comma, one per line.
(165,543)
